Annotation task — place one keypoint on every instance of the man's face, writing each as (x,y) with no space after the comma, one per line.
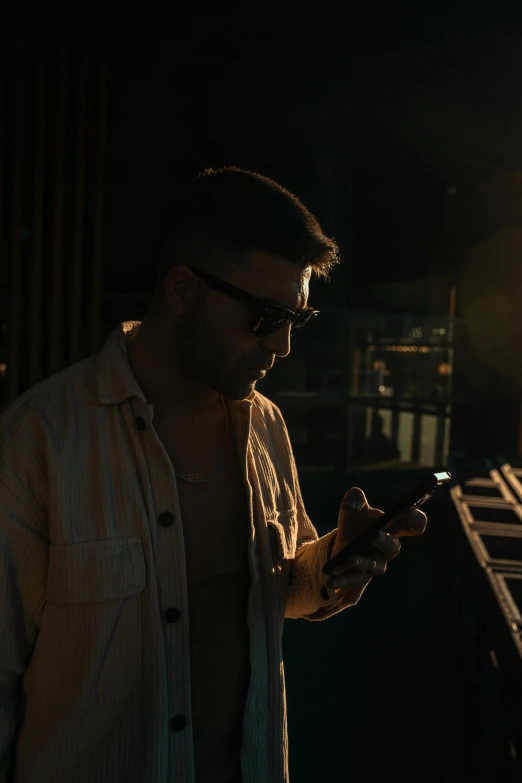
(214,341)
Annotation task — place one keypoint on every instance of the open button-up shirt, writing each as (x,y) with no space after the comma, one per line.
(93,686)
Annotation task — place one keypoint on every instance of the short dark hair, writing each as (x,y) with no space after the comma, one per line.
(224,214)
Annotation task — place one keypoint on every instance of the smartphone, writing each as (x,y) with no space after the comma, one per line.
(363,543)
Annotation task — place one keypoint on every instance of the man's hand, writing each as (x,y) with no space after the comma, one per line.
(355,516)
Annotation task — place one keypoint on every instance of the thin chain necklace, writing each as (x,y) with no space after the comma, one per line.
(210,475)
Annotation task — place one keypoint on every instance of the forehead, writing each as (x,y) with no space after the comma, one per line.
(274,280)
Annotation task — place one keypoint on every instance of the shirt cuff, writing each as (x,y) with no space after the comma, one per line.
(327,595)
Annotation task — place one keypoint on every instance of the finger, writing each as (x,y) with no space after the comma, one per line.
(381,563)
(356,570)
(411,522)
(387,545)
(350,579)
(362,563)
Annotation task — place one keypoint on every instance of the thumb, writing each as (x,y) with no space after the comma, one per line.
(354,500)
(355,516)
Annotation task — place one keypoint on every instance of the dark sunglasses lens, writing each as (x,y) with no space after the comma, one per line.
(300,321)
(270,324)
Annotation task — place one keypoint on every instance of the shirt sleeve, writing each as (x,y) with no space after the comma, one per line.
(307,595)
(24,548)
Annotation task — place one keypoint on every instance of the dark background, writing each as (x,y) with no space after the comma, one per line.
(370,117)
(391,127)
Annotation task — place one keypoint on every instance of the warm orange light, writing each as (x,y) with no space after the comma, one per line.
(444,368)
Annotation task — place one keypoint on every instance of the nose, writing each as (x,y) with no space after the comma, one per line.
(278,342)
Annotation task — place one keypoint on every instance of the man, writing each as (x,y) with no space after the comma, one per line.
(152,531)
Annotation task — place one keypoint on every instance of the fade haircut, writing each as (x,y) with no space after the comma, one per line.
(223,215)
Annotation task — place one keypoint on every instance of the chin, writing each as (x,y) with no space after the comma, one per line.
(236,391)
(241,394)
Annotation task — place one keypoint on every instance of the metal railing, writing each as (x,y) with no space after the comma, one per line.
(489,508)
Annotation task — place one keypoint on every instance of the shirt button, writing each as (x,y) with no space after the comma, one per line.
(172,615)
(166,518)
(140,423)
(178,723)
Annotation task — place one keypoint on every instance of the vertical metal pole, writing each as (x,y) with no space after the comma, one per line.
(56,314)
(79,209)
(3,68)
(345,357)
(441,434)
(395,426)
(451,336)
(416,437)
(35,342)
(368,364)
(15,289)
(3,241)
(96,266)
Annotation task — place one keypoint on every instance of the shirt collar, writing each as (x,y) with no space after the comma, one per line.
(114,377)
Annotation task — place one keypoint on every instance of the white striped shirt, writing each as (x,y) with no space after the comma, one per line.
(93,686)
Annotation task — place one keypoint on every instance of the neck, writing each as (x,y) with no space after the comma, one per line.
(152,365)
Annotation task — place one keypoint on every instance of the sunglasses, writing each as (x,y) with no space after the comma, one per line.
(270,318)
